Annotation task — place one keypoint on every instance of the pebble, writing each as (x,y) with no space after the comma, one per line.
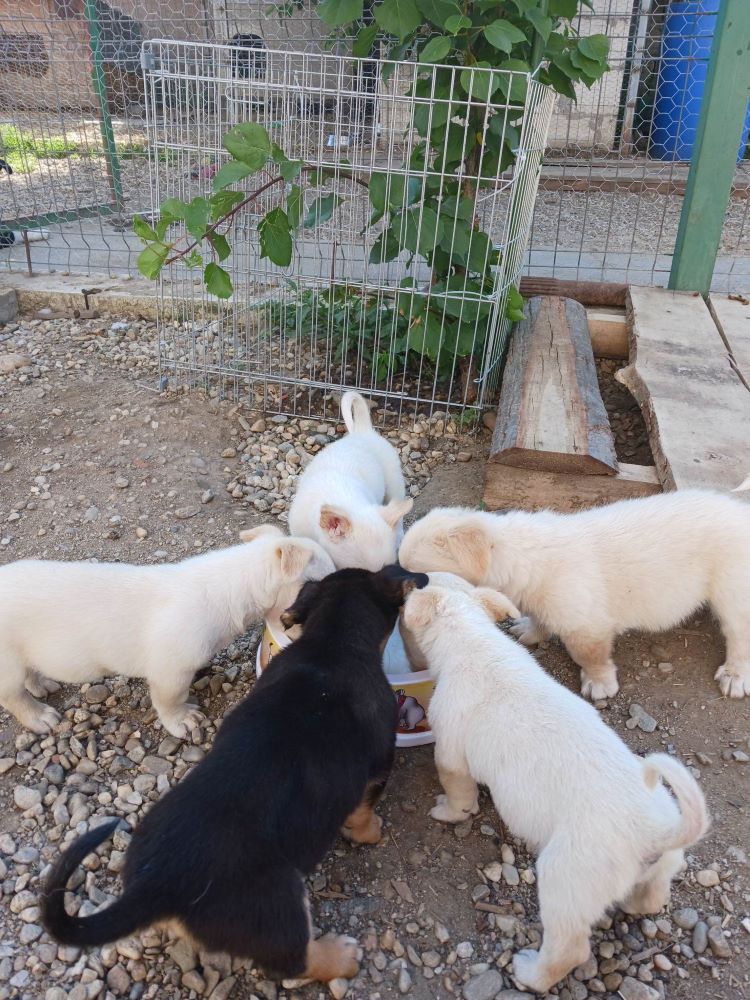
(484,987)
(639,717)
(465,949)
(404,981)
(97,694)
(494,871)
(155,765)
(118,979)
(6,763)
(707,877)
(338,988)
(686,918)
(25,797)
(510,874)
(633,989)
(718,943)
(700,937)
(183,513)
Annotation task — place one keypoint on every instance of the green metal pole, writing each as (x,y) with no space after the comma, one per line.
(100,86)
(537,46)
(714,160)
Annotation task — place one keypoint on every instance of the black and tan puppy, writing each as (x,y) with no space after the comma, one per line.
(308,753)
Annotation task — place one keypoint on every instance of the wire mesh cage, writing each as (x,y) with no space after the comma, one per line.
(351,309)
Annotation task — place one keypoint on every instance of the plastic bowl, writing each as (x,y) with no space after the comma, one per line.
(412,689)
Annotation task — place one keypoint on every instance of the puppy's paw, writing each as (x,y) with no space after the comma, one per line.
(597,690)
(370,833)
(527,631)
(446,813)
(182,723)
(40,686)
(341,956)
(733,681)
(42,721)
(526,971)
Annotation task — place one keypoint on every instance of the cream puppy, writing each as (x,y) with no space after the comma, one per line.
(415,656)
(351,498)
(604,828)
(587,577)
(78,621)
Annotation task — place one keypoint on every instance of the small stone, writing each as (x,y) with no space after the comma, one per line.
(30,933)
(700,937)
(183,513)
(258,427)
(494,871)
(686,918)
(140,532)
(118,979)
(642,719)
(92,514)
(97,694)
(6,763)
(26,856)
(229,453)
(484,987)
(512,995)
(441,933)
(740,756)
(155,765)
(404,981)
(431,959)
(632,989)
(464,456)
(648,928)
(223,990)
(25,797)
(338,988)
(588,970)
(707,877)
(666,667)
(510,874)
(718,943)
(207,496)
(122,483)
(462,830)
(182,954)
(465,949)
(10,362)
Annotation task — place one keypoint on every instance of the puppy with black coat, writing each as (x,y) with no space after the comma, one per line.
(224,853)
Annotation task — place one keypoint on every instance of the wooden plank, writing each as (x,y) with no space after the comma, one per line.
(551,415)
(520,489)
(609,333)
(588,293)
(696,409)
(732,318)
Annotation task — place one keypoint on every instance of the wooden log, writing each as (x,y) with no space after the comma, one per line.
(588,293)
(609,333)
(732,317)
(507,488)
(696,408)
(551,416)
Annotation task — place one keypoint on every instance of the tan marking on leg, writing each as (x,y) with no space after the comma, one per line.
(331,957)
(363,826)
(460,789)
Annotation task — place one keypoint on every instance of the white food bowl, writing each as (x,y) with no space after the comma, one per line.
(413,689)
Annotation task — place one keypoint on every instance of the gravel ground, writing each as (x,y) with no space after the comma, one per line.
(95,463)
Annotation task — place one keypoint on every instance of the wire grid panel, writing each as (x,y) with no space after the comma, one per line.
(344,313)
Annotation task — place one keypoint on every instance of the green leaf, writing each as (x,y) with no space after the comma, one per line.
(193,260)
(514,305)
(594,47)
(589,71)
(458,207)
(249,143)
(542,25)
(421,230)
(223,202)
(321,210)
(430,115)
(220,245)
(437,12)
(456,23)
(558,81)
(334,13)
(385,248)
(514,89)
(230,173)
(480,83)
(524,6)
(436,49)
(398,17)
(275,237)
(294,205)
(173,209)
(503,35)
(142,229)
(217,281)
(151,260)
(563,8)
(364,41)
(196,218)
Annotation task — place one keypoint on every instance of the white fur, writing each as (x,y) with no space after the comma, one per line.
(587,577)
(604,828)
(351,497)
(75,622)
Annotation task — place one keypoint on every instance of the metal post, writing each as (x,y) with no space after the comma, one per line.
(722,117)
(537,46)
(100,86)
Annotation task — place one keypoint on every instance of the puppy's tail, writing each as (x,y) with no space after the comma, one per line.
(744,485)
(694,821)
(356,412)
(123,917)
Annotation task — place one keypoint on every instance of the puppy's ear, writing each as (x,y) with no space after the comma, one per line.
(395,510)
(497,605)
(335,522)
(250,534)
(398,583)
(421,607)
(470,546)
(303,605)
(293,557)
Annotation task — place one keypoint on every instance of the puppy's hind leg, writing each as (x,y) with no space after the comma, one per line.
(652,893)
(364,826)
(528,631)
(40,686)
(565,925)
(461,799)
(14,697)
(593,654)
(169,696)
(731,606)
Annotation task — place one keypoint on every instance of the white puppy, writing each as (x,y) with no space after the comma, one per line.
(351,497)
(587,577)
(415,656)
(78,621)
(604,827)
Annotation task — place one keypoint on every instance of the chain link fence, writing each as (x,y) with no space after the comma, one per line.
(73,130)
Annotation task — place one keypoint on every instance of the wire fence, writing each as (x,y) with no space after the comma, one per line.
(73,129)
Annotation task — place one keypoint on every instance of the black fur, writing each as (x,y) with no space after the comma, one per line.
(225,851)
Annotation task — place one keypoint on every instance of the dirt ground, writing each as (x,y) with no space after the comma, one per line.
(91,454)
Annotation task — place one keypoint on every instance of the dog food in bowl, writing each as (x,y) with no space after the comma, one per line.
(412,690)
